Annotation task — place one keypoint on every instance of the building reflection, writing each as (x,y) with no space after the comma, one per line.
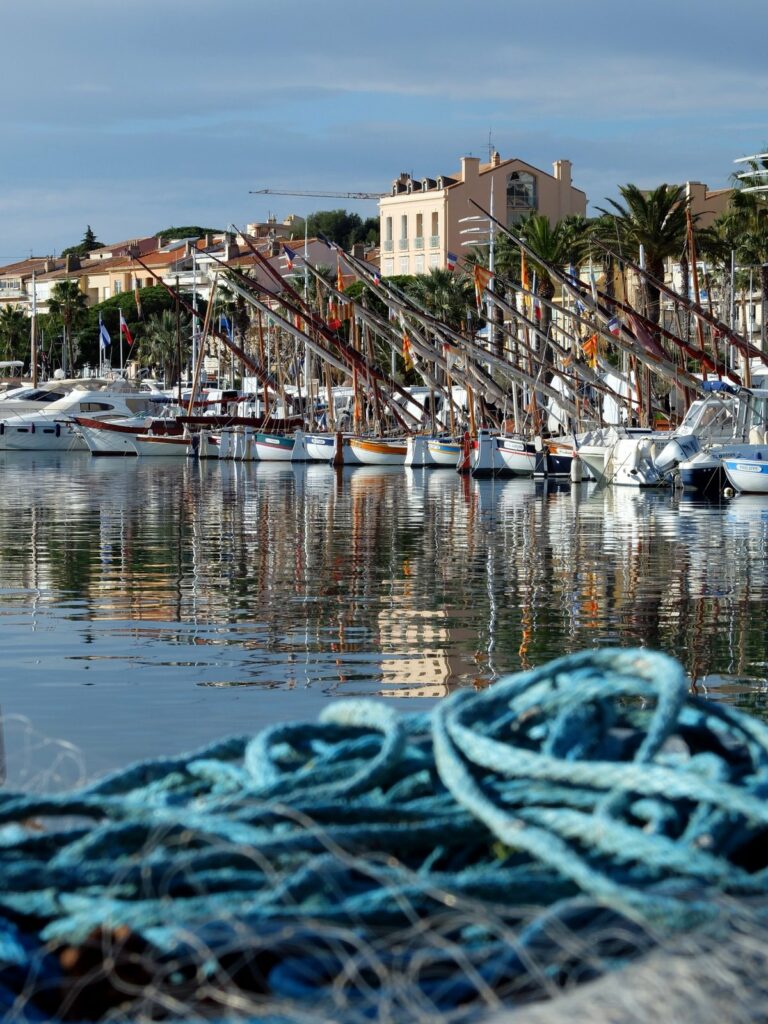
(385,582)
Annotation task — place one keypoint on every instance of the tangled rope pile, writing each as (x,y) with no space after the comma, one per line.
(373,866)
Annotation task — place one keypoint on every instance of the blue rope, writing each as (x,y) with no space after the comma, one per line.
(318,863)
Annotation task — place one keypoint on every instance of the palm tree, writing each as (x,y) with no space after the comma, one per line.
(68,303)
(655,220)
(445,294)
(556,247)
(14,332)
(749,212)
(162,339)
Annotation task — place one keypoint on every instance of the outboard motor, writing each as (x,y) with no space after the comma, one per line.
(678,450)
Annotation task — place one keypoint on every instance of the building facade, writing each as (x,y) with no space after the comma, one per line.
(423,218)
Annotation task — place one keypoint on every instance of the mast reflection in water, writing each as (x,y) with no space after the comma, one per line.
(150,606)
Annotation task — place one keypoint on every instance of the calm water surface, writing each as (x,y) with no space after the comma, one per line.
(149,606)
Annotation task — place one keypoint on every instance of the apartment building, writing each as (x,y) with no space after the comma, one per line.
(421,220)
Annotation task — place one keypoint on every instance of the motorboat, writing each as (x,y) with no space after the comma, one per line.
(53,428)
(641,457)
(747,470)
(704,470)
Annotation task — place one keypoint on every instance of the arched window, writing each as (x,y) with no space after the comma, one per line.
(522,198)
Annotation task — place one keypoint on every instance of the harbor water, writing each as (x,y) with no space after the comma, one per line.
(148,606)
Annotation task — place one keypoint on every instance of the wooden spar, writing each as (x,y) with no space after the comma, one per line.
(745,347)
(532,379)
(263,358)
(178,337)
(311,318)
(316,347)
(695,272)
(655,363)
(257,370)
(695,353)
(201,350)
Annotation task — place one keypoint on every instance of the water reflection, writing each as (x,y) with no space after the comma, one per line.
(361,581)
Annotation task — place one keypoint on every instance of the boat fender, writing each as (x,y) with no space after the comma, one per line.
(32,428)
(58,430)
(2,428)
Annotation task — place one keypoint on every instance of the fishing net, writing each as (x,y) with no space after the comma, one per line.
(538,843)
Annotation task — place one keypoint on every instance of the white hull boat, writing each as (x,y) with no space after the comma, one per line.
(159,446)
(515,457)
(378,452)
(747,471)
(444,451)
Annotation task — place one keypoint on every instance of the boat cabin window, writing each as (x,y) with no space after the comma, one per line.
(96,406)
(45,396)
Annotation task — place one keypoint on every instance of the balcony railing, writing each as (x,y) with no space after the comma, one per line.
(402,243)
(418,242)
(434,241)
(388,245)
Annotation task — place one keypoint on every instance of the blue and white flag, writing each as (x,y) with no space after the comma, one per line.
(226,325)
(104,337)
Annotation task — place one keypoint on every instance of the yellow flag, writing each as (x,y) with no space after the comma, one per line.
(482,278)
(407,352)
(590,350)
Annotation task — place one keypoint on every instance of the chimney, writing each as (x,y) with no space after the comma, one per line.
(72,262)
(208,240)
(562,171)
(470,167)
(160,241)
(495,158)
(48,266)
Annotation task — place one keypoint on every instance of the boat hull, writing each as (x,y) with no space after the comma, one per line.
(40,436)
(378,453)
(154,446)
(444,453)
(272,447)
(748,472)
(515,457)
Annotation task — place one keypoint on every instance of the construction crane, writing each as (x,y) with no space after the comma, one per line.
(317,195)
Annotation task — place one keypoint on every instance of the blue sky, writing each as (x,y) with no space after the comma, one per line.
(132,117)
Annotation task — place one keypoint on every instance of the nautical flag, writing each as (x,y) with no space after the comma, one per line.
(524,280)
(334,320)
(646,339)
(290,256)
(339,277)
(137,297)
(407,360)
(451,259)
(377,277)
(124,328)
(482,278)
(537,307)
(590,350)
(326,241)
(614,326)
(104,337)
(225,324)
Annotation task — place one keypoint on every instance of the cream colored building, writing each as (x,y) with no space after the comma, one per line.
(421,219)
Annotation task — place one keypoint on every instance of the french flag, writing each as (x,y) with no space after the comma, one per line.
(290,256)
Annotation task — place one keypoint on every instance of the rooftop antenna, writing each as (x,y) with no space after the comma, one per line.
(490,145)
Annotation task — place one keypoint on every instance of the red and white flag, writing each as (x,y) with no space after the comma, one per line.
(124,329)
